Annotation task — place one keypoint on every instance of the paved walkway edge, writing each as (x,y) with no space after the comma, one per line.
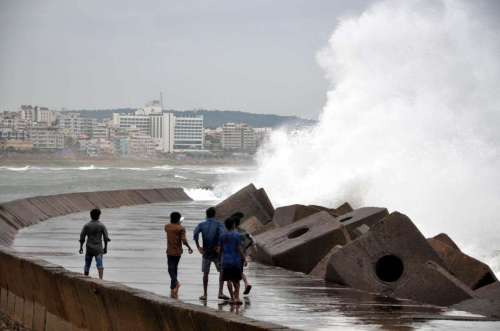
(44,296)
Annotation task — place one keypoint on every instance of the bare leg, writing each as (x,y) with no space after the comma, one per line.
(230,289)
(176,290)
(237,292)
(101,272)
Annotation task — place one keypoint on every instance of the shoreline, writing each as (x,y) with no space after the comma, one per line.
(54,160)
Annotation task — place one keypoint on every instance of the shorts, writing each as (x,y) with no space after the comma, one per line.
(206,262)
(88,262)
(231,273)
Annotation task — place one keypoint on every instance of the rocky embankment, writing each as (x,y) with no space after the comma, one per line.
(368,249)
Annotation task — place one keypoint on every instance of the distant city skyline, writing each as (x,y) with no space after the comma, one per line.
(257,56)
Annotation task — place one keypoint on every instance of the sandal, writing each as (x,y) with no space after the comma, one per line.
(247,289)
(203,298)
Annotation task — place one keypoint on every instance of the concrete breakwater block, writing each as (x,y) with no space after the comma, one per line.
(343,209)
(473,273)
(393,258)
(249,201)
(444,238)
(301,245)
(287,215)
(368,216)
(253,226)
(486,301)
(320,269)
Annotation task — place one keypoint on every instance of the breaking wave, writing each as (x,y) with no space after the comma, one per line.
(200,194)
(411,121)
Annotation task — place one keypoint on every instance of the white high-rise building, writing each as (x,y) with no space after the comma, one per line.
(162,131)
(171,133)
(188,133)
(141,122)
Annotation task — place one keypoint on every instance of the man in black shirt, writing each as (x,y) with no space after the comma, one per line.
(95,232)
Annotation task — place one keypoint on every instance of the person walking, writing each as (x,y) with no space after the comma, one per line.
(246,242)
(232,259)
(176,237)
(210,230)
(94,232)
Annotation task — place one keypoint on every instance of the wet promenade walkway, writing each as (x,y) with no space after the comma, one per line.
(137,258)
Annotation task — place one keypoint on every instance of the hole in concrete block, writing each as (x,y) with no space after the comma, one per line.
(297,233)
(389,268)
(345,219)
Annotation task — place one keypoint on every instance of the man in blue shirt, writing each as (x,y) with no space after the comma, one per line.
(232,259)
(210,230)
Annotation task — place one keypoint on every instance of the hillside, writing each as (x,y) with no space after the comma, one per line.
(214,118)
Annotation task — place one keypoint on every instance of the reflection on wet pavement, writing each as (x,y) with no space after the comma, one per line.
(137,258)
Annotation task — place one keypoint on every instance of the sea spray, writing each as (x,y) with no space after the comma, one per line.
(411,122)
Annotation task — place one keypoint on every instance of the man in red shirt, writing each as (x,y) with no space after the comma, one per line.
(176,236)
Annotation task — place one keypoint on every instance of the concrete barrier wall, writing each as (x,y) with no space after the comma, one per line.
(43,296)
(18,214)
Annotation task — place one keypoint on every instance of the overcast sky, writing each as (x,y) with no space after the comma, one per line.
(256,56)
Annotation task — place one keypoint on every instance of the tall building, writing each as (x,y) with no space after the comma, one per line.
(188,133)
(162,131)
(238,137)
(133,121)
(171,133)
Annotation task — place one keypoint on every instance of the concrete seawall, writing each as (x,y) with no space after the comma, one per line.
(44,296)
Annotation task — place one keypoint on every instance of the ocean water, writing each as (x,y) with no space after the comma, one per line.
(24,181)
(137,257)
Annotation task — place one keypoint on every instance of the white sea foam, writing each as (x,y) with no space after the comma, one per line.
(135,169)
(221,170)
(411,121)
(163,167)
(92,167)
(25,168)
(199,194)
(180,177)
